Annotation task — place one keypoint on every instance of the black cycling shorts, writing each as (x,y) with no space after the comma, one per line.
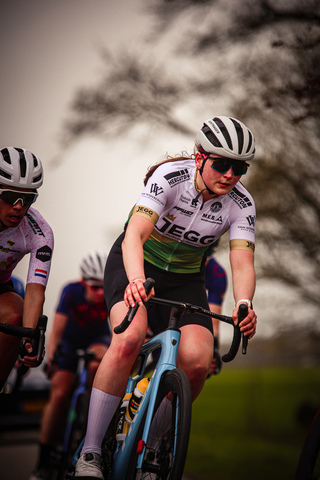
(187,287)
(7,287)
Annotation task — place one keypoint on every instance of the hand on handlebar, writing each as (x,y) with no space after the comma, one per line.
(248,325)
(28,356)
(135,292)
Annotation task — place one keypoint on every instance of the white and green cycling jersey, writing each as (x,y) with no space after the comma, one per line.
(184,227)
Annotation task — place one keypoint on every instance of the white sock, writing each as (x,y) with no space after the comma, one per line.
(101,410)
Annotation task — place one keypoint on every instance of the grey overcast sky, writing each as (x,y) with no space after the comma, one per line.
(48,49)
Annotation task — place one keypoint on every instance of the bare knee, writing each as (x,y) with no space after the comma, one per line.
(196,368)
(130,345)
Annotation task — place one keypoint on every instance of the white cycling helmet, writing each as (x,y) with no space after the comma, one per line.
(227,137)
(92,266)
(20,168)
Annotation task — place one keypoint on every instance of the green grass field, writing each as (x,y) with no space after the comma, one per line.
(250,423)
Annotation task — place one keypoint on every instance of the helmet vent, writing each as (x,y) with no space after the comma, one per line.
(37,179)
(250,142)
(211,137)
(239,133)
(35,161)
(6,156)
(23,163)
(5,174)
(224,131)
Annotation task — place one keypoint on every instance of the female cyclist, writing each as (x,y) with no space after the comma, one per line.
(186,205)
(22,230)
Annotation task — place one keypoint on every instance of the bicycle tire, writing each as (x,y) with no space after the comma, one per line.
(309,461)
(171,450)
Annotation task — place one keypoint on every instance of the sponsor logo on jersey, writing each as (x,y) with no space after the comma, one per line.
(179,176)
(178,232)
(216,207)
(44,254)
(8,263)
(171,217)
(240,198)
(251,219)
(34,225)
(251,246)
(188,213)
(152,197)
(155,189)
(8,250)
(206,217)
(10,243)
(185,199)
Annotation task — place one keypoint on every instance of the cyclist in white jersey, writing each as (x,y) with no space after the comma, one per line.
(186,205)
(22,230)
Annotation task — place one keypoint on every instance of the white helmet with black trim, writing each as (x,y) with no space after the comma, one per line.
(92,266)
(227,137)
(20,168)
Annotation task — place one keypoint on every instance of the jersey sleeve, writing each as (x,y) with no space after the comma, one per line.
(156,195)
(242,229)
(41,248)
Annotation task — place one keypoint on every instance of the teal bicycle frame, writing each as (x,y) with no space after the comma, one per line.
(168,341)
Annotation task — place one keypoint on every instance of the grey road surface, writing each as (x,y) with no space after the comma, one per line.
(18,454)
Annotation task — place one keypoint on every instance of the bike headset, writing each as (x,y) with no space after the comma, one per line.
(227,137)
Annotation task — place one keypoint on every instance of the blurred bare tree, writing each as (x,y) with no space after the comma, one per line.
(261,60)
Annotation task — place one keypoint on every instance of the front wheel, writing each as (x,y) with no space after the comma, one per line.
(167,443)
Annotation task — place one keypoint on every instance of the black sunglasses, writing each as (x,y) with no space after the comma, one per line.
(13,196)
(222,165)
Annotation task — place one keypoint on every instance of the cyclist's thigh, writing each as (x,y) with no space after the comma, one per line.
(196,347)
(136,332)
(11,308)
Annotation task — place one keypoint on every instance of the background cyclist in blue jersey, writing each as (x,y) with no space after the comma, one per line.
(216,285)
(187,203)
(80,322)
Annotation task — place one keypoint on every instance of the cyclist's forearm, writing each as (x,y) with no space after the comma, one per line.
(33,304)
(137,232)
(243,275)
(133,263)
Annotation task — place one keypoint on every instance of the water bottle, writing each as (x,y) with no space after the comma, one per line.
(135,399)
(123,426)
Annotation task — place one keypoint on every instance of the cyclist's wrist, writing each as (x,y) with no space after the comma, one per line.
(133,280)
(244,300)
